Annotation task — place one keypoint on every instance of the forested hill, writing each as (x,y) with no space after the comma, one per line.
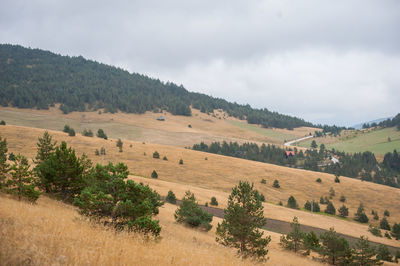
(35,78)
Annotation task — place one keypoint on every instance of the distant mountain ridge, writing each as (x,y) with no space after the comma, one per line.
(377,121)
(34,78)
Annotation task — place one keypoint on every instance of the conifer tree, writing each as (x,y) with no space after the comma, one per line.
(21,182)
(335,249)
(4,166)
(294,240)
(120,144)
(343,211)
(243,219)
(45,147)
(364,253)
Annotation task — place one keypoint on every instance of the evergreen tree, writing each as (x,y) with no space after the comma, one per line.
(384,224)
(330,208)
(360,215)
(63,173)
(190,213)
(4,166)
(171,198)
(110,199)
(335,249)
(45,147)
(154,174)
(314,144)
(343,211)
(87,133)
(120,144)
(396,231)
(101,134)
(276,184)
(311,242)
(156,155)
(292,203)
(365,254)
(384,253)
(21,181)
(214,201)
(295,239)
(242,219)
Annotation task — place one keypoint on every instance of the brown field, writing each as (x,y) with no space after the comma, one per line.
(218,174)
(173,131)
(52,233)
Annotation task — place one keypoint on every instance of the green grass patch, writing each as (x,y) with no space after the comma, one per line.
(267,132)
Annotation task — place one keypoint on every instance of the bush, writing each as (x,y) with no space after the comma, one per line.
(214,201)
(276,184)
(101,134)
(387,235)
(171,198)
(375,230)
(191,214)
(180,161)
(337,180)
(69,130)
(96,152)
(323,200)
(384,253)
(156,155)
(120,144)
(165,158)
(342,198)
(263,181)
(87,133)
(331,192)
(330,208)
(318,180)
(154,174)
(384,224)
(360,215)
(292,203)
(2,123)
(315,208)
(396,231)
(11,157)
(386,213)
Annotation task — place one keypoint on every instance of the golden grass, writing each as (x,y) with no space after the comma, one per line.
(145,127)
(52,233)
(217,175)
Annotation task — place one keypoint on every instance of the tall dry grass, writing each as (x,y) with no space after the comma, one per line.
(52,233)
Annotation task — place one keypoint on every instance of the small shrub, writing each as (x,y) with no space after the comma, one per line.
(130,146)
(318,180)
(337,180)
(171,198)
(206,158)
(87,133)
(189,126)
(384,253)
(331,192)
(154,174)
(375,230)
(387,235)
(263,181)
(360,215)
(101,134)
(156,155)
(120,144)
(396,231)
(315,208)
(276,184)
(342,198)
(386,213)
(214,201)
(280,203)
(180,161)
(11,157)
(165,158)
(96,152)
(206,204)
(2,123)
(71,132)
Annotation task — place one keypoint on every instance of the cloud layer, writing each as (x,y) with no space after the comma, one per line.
(325,61)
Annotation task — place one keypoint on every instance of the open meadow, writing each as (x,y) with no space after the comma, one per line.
(214,175)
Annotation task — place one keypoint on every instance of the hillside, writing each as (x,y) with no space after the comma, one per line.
(377,140)
(35,78)
(214,175)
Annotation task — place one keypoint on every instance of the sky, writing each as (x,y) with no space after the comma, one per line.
(329,62)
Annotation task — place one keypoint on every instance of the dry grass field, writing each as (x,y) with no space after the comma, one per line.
(218,174)
(174,130)
(52,233)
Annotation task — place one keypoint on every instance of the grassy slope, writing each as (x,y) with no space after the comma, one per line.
(52,233)
(174,131)
(375,141)
(218,174)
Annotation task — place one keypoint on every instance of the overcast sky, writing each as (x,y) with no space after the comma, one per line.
(329,62)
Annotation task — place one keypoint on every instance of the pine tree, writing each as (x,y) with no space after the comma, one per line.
(343,211)
(335,249)
(364,253)
(292,203)
(21,182)
(120,144)
(384,224)
(384,253)
(190,213)
(294,240)
(45,147)
(101,134)
(171,198)
(4,166)
(276,184)
(360,215)
(330,208)
(242,219)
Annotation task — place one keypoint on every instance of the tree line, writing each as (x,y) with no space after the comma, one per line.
(358,165)
(33,78)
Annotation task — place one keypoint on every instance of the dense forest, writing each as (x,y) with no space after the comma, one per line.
(358,165)
(391,122)
(33,78)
